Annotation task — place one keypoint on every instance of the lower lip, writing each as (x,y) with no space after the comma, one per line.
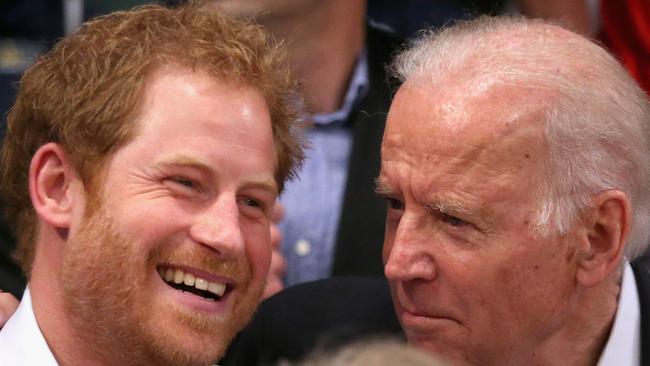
(195,302)
(417,322)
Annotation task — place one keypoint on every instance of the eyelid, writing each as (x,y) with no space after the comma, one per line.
(383,191)
(263,197)
(391,200)
(259,210)
(449,215)
(256,202)
(180,180)
(448,218)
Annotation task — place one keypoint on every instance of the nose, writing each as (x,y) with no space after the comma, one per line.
(218,227)
(409,255)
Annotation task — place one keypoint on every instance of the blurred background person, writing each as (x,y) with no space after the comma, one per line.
(623,26)
(334,223)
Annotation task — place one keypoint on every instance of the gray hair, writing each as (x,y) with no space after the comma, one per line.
(596,123)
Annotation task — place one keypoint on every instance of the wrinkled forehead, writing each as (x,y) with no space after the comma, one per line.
(494,124)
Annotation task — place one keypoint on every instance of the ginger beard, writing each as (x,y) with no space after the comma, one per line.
(112,305)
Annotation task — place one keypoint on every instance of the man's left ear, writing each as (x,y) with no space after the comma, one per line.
(607,231)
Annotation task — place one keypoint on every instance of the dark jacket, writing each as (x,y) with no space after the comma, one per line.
(361,228)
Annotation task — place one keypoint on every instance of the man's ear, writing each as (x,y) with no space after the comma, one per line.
(52,180)
(607,233)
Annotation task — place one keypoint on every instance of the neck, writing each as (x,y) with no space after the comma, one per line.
(584,334)
(323,48)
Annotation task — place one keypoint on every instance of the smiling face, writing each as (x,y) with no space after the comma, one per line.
(169,259)
(469,278)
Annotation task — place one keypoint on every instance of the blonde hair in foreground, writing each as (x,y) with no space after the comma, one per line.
(376,352)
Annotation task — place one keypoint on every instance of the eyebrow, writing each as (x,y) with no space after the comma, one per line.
(382,188)
(256,181)
(448,207)
(182,159)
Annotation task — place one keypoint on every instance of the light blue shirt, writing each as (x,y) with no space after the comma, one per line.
(313,200)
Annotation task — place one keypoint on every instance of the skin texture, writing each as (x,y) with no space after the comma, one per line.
(8,305)
(194,190)
(278,263)
(469,278)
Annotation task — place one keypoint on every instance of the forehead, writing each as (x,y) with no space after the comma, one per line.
(447,137)
(481,115)
(188,114)
(179,102)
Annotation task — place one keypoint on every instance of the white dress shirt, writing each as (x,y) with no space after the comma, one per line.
(21,340)
(624,345)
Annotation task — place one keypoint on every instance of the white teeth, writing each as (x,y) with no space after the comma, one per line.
(201,284)
(169,275)
(217,288)
(178,276)
(189,279)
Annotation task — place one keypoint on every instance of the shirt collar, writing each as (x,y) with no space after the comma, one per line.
(21,340)
(357,90)
(624,345)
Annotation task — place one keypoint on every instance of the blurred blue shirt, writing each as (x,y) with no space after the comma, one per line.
(313,200)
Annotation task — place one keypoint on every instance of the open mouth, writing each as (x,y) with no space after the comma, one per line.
(187,282)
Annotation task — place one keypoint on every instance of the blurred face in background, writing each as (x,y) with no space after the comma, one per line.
(267,9)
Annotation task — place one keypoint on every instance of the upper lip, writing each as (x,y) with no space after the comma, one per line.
(431,311)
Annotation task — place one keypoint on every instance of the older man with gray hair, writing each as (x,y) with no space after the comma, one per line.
(515,164)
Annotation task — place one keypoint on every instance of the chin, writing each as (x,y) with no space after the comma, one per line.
(447,353)
(173,343)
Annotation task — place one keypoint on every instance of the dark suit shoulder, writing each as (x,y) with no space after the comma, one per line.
(323,314)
